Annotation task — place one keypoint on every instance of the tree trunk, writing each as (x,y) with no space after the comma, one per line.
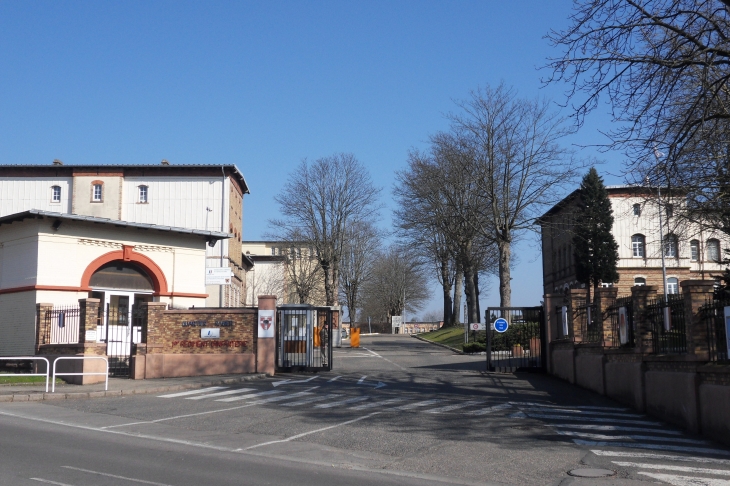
(446,286)
(327,284)
(470,291)
(458,290)
(505,288)
(476,292)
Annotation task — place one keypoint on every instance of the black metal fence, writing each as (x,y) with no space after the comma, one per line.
(62,325)
(521,345)
(590,323)
(713,316)
(621,315)
(304,337)
(121,328)
(668,326)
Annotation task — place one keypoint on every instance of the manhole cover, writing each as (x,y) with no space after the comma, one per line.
(591,473)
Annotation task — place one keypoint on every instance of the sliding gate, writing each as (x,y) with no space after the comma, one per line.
(304,338)
(515,339)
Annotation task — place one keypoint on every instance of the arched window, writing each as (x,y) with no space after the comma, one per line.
(713,250)
(56,194)
(670,246)
(639,281)
(694,250)
(672,285)
(121,275)
(637,246)
(637,209)
(142,192)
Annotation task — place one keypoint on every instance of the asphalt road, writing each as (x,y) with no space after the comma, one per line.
(395,411)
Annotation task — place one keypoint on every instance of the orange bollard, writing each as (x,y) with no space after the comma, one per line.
(317,340)
(354,338)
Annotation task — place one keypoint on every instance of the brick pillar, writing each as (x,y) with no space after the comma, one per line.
(696,294)
(605,297)
(88,320)
(575,296)
(640,295)
(42,325)
(265,346)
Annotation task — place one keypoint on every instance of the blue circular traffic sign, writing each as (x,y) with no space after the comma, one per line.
(501,325)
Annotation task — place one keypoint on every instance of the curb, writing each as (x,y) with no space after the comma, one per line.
(437,344)
(32,397)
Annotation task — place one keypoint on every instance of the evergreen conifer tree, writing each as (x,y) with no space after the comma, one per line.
(595,249)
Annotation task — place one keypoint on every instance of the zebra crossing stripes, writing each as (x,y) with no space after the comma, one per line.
(342,402)
(591,419)
(365,406)
(493,408)
(449,408)
(686,480)
(317,398)
(578,411)
(666,470)
(620,428)
(193,392)
(659,447)
(579,407)
(423,403)
(660,457)
(669,467)
(632,437)
(246,397)
(221,394)
(280,398)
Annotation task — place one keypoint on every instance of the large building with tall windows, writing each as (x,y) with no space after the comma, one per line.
(690,252)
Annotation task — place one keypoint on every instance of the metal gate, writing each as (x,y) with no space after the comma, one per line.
(304,338)
(519,347)
(120,330)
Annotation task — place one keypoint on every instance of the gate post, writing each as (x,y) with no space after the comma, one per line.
(696,293)
(266,346)
(605,298)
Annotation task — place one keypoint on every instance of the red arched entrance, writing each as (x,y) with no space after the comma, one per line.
(127,254)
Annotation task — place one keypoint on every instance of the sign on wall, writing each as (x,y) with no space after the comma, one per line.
(623,332)
(218,275)
(266,323)
(396,321)
(564,315)
(211,332)
(478,326)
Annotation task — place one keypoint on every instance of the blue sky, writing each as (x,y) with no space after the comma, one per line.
(265,84)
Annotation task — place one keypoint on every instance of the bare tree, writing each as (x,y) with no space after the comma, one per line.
(511,147)
(319,202)
(362,242)
(304,274)
(266,279)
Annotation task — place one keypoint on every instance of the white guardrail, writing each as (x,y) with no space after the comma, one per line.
(106,373)
(35,358)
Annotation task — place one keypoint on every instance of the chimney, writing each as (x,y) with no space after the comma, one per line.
(164,162)
(57,162)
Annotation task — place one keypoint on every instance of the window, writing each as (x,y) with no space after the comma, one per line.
(670,211)
(639,281)
(672,285)
(637,209)
(56,194)
(637,246)
(694,250)
(97,192)
(273,251)
(713,250)
(143,194)
(670,246)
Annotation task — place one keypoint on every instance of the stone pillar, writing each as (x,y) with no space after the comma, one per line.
(154,335)
(88,320)
(696,294)
(576,298)
(640,296)
(605,297)
(265,346)
(42,325)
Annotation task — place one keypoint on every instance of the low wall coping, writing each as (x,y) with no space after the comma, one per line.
(216,310)
(714,368)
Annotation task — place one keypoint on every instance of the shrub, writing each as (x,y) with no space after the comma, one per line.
(474,347)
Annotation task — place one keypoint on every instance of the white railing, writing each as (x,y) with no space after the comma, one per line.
(89,373)
(18,358)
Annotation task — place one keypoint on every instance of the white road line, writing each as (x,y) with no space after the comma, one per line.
(284,397)
(591,419)
(424,403)
(334,379)
(493,408)
(632,437)
(669,457)
(385,359)
(657,447)
(377,404)
(99,473)
(342,402)
(48,481)
(579,407)
(252,395)
(221,394)
(310,432)
(193,392)
(687,480)
(457,406)
(361,379)
(582,412)
(669,467)
(616,427)
(317,398)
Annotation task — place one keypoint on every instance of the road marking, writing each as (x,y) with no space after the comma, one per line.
(648,455)
(99,473)
(334,379)
(424,403)
(591,419)
(223,393)
(377,404)
(289,382)
(48,481)
(579,407)
(246,397)
(658,447)
(669,467)
(687,480)
(194,392)
(342,402)
(317,398)
(585,412)
(283,397)
(385,359)
(631,437)
(457,406)
(493,408)
(616,427)
(361,379)
(293,437)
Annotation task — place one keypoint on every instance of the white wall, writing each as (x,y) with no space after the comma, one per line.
(18,194)
(17,324)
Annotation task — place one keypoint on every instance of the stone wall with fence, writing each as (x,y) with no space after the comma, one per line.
(666,358)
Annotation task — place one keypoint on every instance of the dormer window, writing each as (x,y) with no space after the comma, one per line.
(97,191)
(142,191)
(56,194)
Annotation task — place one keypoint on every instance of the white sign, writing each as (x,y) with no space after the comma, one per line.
(564,314)
(623,331)
(396,321)
(90,335)
(266,323)
(210,332)
(727,328)
(218,275)
(478,326)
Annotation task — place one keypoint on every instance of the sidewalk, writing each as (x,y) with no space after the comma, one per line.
(117,386)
